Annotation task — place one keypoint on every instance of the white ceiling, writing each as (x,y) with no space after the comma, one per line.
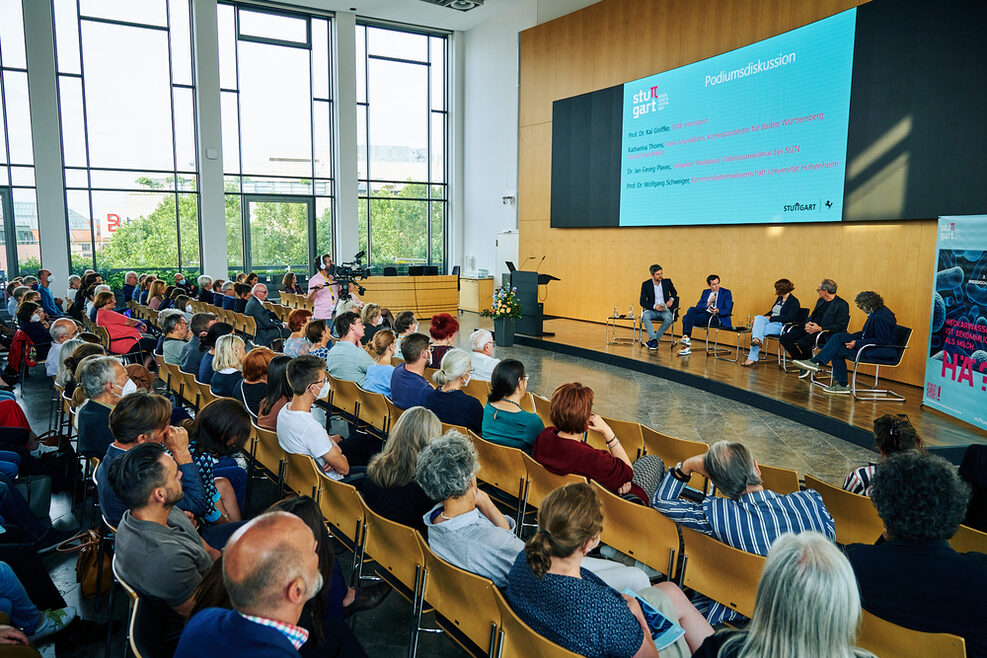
(421,13)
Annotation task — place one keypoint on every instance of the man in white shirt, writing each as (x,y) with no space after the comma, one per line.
(61,330)
(659,301)
(482,356)
(347,360)
(323,291)
(299,433)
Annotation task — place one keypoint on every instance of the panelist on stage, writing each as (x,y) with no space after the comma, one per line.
(785,310)
(715,303)
(831,314)
(659,299)
(323,291)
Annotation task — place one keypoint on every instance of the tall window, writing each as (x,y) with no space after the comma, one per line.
(19,243)
(277,137)
(402,124)
(127,104)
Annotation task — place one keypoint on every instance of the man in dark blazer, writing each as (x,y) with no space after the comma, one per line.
(715,303)
(831,315)
(268,328)
(659,301)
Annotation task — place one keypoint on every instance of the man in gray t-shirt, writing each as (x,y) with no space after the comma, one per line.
(158,551)
(347,360)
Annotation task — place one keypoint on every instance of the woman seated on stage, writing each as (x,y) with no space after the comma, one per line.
(227,364)
(390,488)
(551,590)
(468,530)
(785,310)
(561,450)
(125,335)
(378,377)
(504,421)
(448,401)
(443,331)
(893,433)
(808,604)
(296,343)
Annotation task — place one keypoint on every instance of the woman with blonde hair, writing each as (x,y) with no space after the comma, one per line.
(390,488)
(372,321)
(808,605)
(156,296)
(226,365)
(381,348)
(448,401)
(551,589)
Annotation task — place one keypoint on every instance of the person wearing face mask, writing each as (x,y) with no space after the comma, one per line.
(183,305)
(482,355)
(347,360)
(504,421)
(185,284)
(62,330)
(448,401)
(104,381)
(373,320)
(405,324)
(49,302)
(31,320)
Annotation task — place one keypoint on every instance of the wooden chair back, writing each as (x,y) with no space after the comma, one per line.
(883,638)
(721,572)
(302,475)
(517,640)
(478,389)
(342,508)
(500,466)
(396,550)
(856,517)
(541,482)
(779,480)
(267,451)
(672,451)
(543,407)
(392,411)
(641,532)
(969,540)
(345,396)
(374,412)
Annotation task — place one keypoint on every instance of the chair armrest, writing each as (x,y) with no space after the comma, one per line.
(864,348)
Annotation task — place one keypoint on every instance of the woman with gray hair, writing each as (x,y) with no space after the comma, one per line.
(880,330)
(466,528)
(482,355)
(448,401)
(808,605)
(390,488)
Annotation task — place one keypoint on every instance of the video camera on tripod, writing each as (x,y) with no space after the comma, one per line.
(348,272)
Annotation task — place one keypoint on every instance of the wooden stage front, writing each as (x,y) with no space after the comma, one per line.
(764,386)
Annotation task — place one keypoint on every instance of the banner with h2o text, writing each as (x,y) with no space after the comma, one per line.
(956,366)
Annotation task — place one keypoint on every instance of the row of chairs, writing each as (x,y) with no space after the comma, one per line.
(242,324)
(293,301)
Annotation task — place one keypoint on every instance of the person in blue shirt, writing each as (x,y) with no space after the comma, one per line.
(48,301)
(129,286)
(381,348)
(207,345)
(715,304)
(228,301)
(409,388)
(504,421)
(448,401)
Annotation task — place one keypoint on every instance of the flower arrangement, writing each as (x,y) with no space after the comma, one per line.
(505,305)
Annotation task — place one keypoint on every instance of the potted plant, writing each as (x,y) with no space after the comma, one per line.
(504,310)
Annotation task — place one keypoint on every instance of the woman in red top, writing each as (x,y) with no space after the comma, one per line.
(124,332)
(561,450)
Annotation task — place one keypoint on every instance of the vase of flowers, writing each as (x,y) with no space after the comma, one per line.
(504,310)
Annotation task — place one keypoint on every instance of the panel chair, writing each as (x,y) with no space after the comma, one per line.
(800,320)
(517,640)
(641,532)
(465,604)
(721,572)
(502,467)
(884,638)
(856,517)
(539,482)
(543,408)
(873,393)
(969,540)
(672,451)
(374,416)
(342,508)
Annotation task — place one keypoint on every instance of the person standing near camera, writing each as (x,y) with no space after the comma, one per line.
(323,291)
(659,299)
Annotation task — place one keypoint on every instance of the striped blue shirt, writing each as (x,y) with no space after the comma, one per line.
(750,524)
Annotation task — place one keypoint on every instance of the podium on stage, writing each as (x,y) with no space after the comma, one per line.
(532,311)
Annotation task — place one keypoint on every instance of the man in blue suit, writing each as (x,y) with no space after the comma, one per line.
(715,303)
(659,300)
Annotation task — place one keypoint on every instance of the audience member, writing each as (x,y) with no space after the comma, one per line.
(296,344)
(715,306)
(34,624)
(379,373)
(659,301)
(49,302)
(191,354)
(482,355)
(130,282)
(31,320)
(207,346)
(372,321)
(205,289)
(187,286)
(218,432)
(74,281)
(145,289)
(893,433)
(157,294)
(404,325)
(561,450)
(443,332)
(747,517)
(318,335)
(183,303)
(105,382)
(288,284)
(390,488)
(242,292)
(226,365)
(785,310)
(448,401)
(176,332)
(505,422)
(269,327)
(278,393)
(973,469)
(62,373)
(15,298)
(807,605)
(125,335)
(62,330)
(408,385)
(253,388)
(70,378)
(228,300)
(347,360)
(830,315)
(217,292)
(922,500)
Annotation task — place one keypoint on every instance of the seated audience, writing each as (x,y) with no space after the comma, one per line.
(318,335)
(31,320)
(105,382)
(183,303)
(70,378)
(271,569)
(347,360)
(830,315)
(251,279)
(597,619)
(807,605)
(299,433)
(253,388)
(171,293)
(130,283)
(379,373)
(504,421)
(14,299)
(408,385)
(269,327)
(156,294)
(228,300)
(242,292)
(288,284)
(443,332)
(35,625)
(217,292)
(157,550)
(145,289)
(715,303)
(278,393)
(881,328)
(186,286)
(911,576)
(49,302)
(62,373)
(205,289)
(785,310)
(139,418)
(893,433)
(466,528)
(482,355)
(448,401)
(220,430)
(176,332)
(75,281)
(226,365)
(747,517)
(372,321)
(207,346)
(125,335)
(561,450)
(390,488)
(405,324)
(62,330)
(296,344)
(191,354)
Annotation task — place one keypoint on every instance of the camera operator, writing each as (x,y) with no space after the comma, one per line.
(323,291)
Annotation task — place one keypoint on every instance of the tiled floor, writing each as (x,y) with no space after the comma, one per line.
(669,407)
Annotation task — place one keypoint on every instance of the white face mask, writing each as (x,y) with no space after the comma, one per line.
(35,318)
(379,321)
(466,380)
(188,309)
(324,391)
(128,388)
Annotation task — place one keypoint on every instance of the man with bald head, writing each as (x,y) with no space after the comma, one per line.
(270,569)
(61,330)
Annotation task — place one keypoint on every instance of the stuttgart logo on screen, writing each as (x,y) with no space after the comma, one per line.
(647,101)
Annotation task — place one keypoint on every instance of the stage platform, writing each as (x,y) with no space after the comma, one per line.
(764,386)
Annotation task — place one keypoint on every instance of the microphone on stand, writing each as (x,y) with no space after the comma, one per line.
(539,263)
(521,267)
